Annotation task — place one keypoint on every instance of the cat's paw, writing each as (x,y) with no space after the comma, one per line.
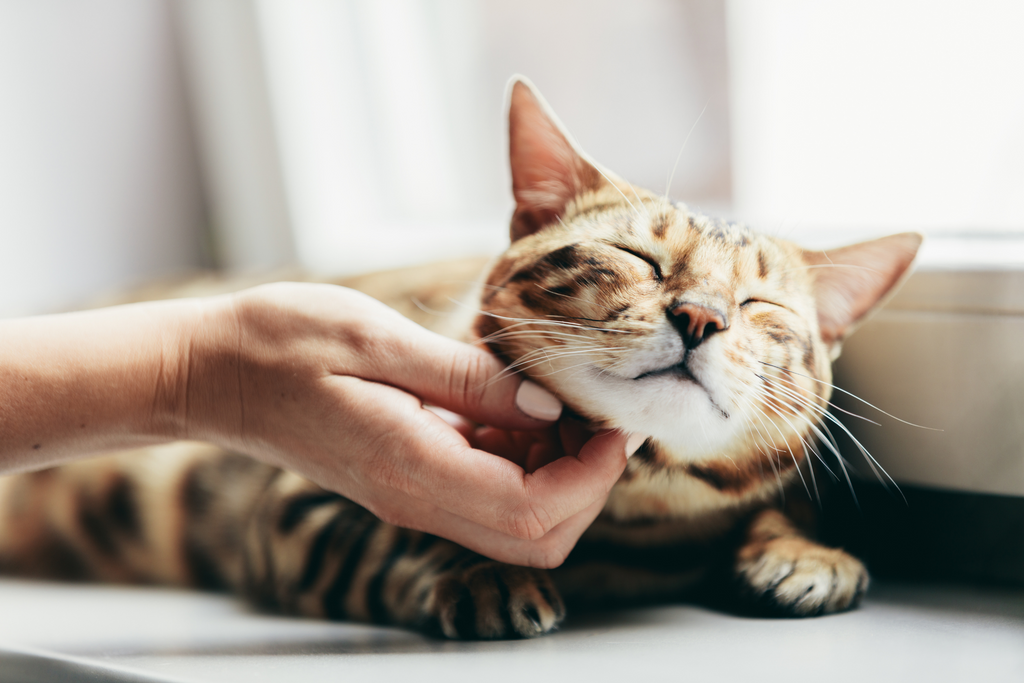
(494,600)
(791,576)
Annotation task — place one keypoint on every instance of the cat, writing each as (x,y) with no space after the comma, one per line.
(641,315)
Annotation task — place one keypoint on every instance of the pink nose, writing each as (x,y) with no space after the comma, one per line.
(696,322)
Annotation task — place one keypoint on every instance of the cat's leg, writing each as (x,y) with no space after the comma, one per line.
(314,553)
(790,575)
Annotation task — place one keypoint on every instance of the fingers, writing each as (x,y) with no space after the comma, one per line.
(366,339)
(414,452)
(462,378)
(502,496)
(565,487)
(547,552)
(455,421)
(518,446)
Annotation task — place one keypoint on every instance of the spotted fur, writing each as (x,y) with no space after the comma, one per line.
(642,315)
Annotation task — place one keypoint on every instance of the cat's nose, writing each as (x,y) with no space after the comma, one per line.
(697,322)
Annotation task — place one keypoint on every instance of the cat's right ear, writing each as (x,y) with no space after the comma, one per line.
(852,282)
(548,170)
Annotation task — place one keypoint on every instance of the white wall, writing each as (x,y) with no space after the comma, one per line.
(98,182)
(237,138)
(390,118)
(878,115)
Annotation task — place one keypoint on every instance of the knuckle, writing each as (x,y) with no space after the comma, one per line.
(469,381)
(529,522)
(388,472)
(362,336)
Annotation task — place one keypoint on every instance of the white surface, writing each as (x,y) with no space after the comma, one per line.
(901,633)
(98,177)
(886,114)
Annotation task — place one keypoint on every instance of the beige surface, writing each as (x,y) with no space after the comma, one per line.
(947,353)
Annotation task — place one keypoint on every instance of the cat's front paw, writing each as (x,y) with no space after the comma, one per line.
(494,600)
(792,576)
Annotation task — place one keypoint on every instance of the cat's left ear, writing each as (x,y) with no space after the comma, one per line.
(852,282)
(548,170)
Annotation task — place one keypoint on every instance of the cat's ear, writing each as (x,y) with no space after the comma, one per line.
(547,168)
(851,282)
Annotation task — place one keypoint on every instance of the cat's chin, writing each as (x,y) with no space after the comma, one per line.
(670,405)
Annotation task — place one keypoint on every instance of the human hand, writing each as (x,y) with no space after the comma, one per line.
(329,383)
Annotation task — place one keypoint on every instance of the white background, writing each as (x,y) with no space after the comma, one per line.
(143,138)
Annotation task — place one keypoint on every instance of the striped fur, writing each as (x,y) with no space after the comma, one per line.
(642,315)
(193,515)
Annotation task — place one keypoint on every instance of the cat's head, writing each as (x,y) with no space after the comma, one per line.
(646,316)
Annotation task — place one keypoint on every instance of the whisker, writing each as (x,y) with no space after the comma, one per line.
(799,436)
(547,335)
(790,451)
(618,190)
(647,212)
(704,431)
(528,361)
(817,433)
(815,409)
(672,175)
(814,481)
(870,459)
(538,356)
(571,367)
(851,395)
(538,321)
(775,469)
(833,405)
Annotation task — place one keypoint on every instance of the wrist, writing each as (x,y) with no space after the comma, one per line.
(198,395)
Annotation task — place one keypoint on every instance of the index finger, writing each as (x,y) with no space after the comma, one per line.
(459,377)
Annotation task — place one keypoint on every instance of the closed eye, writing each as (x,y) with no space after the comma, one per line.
(643,257)
(751,301)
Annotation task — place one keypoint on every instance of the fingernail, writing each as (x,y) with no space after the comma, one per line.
(538,402)
(634,442)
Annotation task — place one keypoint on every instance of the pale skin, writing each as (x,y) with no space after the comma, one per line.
(328,383)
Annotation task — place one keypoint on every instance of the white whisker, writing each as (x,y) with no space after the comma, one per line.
(799,436)
(619,191)
(851,395)
(868,458)
(672,175)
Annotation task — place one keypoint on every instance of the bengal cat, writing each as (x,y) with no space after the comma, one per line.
(638,312)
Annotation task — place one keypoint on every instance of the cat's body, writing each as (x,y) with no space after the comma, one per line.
(641,315)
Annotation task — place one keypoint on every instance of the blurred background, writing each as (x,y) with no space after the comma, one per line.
(144,139)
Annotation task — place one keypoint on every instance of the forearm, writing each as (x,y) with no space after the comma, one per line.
(83,383)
